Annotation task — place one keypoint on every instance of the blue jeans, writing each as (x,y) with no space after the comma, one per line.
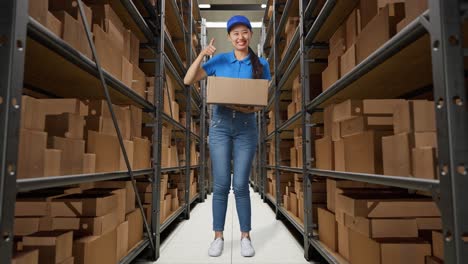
(232,136)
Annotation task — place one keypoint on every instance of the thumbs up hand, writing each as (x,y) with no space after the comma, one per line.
(210,49)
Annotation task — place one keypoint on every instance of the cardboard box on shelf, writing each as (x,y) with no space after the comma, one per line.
(107,149)
(72,154)
(380,106)
(168,204)
(83,205)
(397,155)
(109,53)
(346,110)
(437,244)
(135,228)
(382,228)
(127,73)
(139,81)
(31,160)
(122,240)
(136,121)
(339,156)
(385,206)
(52,161)
(424,163)
(368,9)
(87,225)
(286,203)
(363,152)
(89,163)
(414,116)
(293,203)
(32,113)
(54,246)
(38,10)
(142,153)
(60,106)
(65,125)
(336,131)
(348,60)
(397,250)
(175,111)
(237,91)
(25,257)
(70,260)
(299,157)
(293,157)
(32,207)
(28,225)
(337,43)
(54,24)
(334,186)
(423,139)
(324,153)
(73,32)
(175,204)
(343,240)
(129,194)
(414,8)
(300,209)
(328,120)
(353,28)
(379,30)
(331,74)
(72,9)
(429,223)
(96,249)
(291,109)
(328,229)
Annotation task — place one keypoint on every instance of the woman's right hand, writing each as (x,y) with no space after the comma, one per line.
(209,50)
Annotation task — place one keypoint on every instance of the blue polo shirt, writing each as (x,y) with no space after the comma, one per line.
(226,65)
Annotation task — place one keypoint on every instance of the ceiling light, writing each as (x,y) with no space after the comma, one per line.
(263,5)
(204,6)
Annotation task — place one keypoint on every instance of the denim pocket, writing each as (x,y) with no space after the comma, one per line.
(215,121)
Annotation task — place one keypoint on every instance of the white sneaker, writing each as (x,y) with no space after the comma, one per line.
(247,249)
(216,247)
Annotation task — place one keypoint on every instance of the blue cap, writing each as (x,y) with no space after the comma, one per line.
(238,20)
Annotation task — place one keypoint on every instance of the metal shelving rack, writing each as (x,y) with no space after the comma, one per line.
(435,35)
(16,27)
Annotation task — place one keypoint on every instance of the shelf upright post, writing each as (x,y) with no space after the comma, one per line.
(452,124)
(203,115)
(276,94)
(12,55)
(157,132)
(306,135)
(188,105)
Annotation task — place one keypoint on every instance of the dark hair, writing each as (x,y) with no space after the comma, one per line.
(257,67)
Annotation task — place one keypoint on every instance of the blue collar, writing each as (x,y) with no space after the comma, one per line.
(232,58)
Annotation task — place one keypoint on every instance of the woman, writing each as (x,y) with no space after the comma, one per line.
(233,130)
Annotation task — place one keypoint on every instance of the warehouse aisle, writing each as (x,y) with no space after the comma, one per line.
(272,241)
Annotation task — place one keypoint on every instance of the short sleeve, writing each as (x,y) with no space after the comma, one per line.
(266,69)
(211,64)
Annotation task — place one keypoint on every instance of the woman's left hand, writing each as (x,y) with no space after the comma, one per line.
(245,109)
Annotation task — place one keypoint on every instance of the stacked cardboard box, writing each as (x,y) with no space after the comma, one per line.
(392,136)
(284,151)
(367,28)
(413,9)
(293,197)
(370,224)
(193,184)
(116,46)
(102,137)
(171,107)
(169,200)
(55,133)
(98,225)
(51,138)
(289,30)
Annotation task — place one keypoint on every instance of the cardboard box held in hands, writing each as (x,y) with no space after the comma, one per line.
(234,91)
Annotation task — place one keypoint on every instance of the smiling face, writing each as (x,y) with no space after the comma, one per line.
(240,37)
